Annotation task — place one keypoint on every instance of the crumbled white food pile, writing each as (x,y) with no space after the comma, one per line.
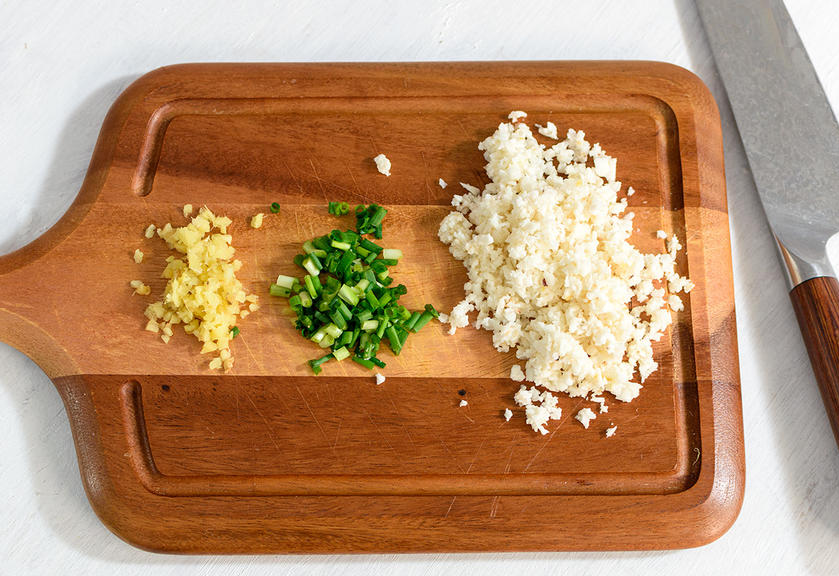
(508,414)
(256,221)
(382,164)
(380,379)
(463,403)
(585,416)
(138,256)
(552,272)
(537,415)
(517,115)
(442,183)
(611,431)
(202,290)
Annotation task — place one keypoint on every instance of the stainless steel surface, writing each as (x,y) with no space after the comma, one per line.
(788,129)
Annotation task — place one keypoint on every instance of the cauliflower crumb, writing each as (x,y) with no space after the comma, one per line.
(149,233)
(380,379)
(442,183)
(382,164)
(630,191)
(508,414)
(585,416)
(256,221)
(611,431)
(661,234)
(517,115)
(463,403)
(138,256)
(516,373)
(187,210)
(537,415)
(552,273)
(548,130)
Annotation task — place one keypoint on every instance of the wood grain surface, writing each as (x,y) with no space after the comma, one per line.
(272,459)
(816,304)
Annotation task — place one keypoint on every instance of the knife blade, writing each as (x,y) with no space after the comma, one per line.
(791,138)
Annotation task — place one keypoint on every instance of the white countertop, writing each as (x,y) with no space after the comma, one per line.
(63,64)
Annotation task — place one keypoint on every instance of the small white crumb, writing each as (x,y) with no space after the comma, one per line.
(256,221)
(516,115)
(585,416)
(138,255)
(470,188)
(382,164)
(548,130)
(603,408)
(442,183)
(630,191)
(187,210)
(444,318)
(611,431)
(380,379)
(463,403)
(661,234)
(516,373)
(602,401)
(508,414)
(675,303)
(149,233)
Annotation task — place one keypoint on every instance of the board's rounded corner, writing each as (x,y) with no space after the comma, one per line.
(691,85)
(718,508)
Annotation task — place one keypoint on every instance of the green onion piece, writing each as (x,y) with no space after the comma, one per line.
(341,353)
(340,245)
(318,336)
(423,320)
(312,264)
(327,341)
(393,338)
(385,299)
(377,362)
(316,364)
(366,363)
(383,325)
(370,245)
(391,254)
(298,260)
(345,312)
(338,320)
(310,286)
(369,325)
(409,324)
(387,262)
(430,309)
(234,332)
(332,330)
(378,216)
(305,299)
(345,339)
(364,315)
(275,207)
(295,302)
(374,302)
(275,290)
(285,281)
(348,295)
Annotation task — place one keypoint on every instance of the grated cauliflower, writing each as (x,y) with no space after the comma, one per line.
(551,271)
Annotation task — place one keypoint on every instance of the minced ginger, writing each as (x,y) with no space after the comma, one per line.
(202,291)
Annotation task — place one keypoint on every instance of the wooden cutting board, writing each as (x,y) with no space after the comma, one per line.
(270,458)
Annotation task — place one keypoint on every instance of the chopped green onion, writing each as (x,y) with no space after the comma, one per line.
(391,254)
(366,363)
(349,295)
(369,325)
(316,364)
(234,332)
(333,330)
(280,291)
(341,353)
(275,207)
(409,324)
(285,281)
(424,319)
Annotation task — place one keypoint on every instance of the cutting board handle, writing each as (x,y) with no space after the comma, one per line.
(816,303)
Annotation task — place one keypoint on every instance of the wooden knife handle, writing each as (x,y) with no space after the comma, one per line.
(816,303)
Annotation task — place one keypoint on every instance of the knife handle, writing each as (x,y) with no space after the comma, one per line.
(816,303)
